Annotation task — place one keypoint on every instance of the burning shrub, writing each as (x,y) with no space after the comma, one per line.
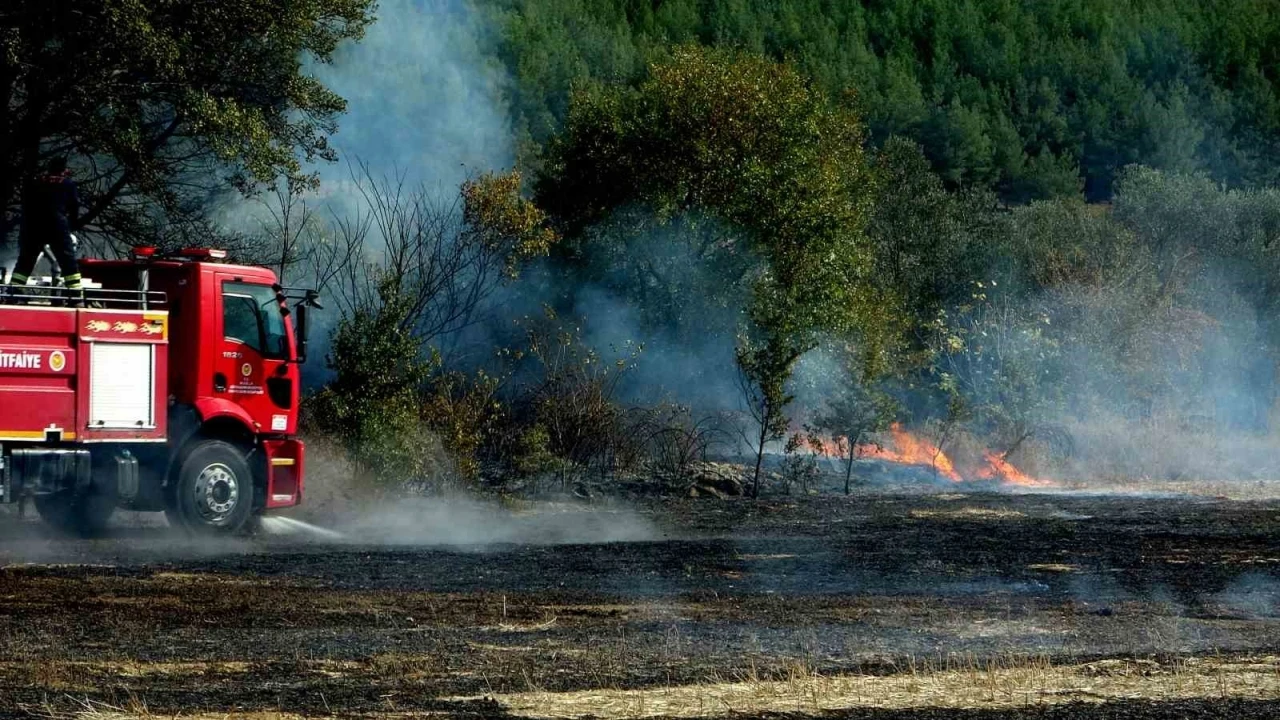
(848,422)
(996,361)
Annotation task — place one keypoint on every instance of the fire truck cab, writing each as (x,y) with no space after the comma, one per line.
(174,388)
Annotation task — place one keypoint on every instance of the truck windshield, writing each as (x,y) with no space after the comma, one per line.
(251,315)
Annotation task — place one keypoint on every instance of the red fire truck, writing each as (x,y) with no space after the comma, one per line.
(173,386)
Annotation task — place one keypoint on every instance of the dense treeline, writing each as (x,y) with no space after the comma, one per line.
(1033,99)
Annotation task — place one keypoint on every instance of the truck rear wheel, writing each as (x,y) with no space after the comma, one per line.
(213,492)
(84,515)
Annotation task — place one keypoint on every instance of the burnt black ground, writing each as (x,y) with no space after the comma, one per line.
(719,589)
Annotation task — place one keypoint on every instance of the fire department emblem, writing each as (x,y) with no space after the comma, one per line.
(125,327)
(57,361)
(98,326)
(246,369)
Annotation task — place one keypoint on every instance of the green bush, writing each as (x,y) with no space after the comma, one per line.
(373,403)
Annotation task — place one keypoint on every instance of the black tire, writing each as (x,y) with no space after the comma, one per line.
(82,515)
(212,493)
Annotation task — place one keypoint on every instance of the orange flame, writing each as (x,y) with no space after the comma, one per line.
(911,450)
(832,447)
(1001,469)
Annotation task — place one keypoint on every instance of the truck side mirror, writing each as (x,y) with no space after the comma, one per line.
(300,331)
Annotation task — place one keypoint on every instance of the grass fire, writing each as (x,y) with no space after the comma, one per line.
(901,447)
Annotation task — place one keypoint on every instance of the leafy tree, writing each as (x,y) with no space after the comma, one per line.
(162,104)
(753,145)
(502,224)
(762,374)
(928,243)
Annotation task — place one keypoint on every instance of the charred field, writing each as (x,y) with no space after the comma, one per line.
(879,605)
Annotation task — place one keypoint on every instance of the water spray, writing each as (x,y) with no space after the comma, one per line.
(280,525)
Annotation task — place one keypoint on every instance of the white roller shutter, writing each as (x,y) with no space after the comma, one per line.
(122,392)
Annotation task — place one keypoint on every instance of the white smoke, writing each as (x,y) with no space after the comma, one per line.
(423,97)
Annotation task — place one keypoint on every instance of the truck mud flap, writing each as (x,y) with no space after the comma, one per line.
(284,472)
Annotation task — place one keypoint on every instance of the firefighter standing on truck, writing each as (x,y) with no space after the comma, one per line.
(50,206)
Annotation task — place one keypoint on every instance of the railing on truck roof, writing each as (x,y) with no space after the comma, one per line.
(93,297)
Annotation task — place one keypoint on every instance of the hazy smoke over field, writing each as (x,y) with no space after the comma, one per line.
(425,109)
(423,97)
(658,303)
(471,522)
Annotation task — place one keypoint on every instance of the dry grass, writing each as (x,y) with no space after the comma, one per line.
(1054,567)
(137,710)
(209,578)
(962,684)
(967,513)
(984,685)
(959,683)
(531,627)
(70,676)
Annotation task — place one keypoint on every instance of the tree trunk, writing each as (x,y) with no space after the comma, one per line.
(755,480)
(848,469)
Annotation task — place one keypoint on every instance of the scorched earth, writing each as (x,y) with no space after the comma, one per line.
(875,606)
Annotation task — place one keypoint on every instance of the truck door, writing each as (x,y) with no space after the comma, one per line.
(252,367)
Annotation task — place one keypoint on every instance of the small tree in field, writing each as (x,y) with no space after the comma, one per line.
(848,420)
(371,404)
(762,376)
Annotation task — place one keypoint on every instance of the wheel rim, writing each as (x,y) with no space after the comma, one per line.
(217,491)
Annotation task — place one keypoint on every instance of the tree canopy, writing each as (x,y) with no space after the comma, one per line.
(161,104)
(742,140)
(1034,100)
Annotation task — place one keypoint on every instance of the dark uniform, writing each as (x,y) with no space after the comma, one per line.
(50,204)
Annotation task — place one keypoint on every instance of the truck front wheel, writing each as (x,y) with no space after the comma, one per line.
(213,491)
